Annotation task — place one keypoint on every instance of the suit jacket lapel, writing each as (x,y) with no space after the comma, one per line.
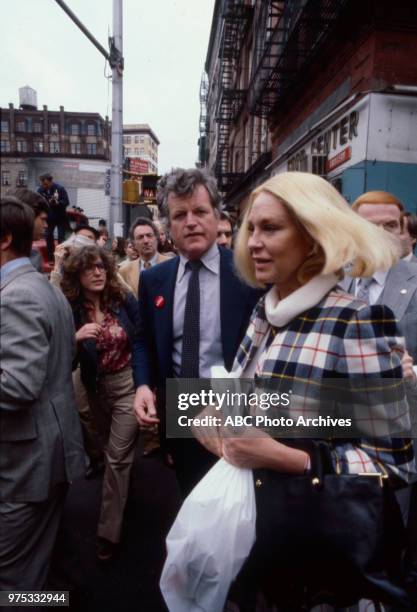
(163,285)
(399,287)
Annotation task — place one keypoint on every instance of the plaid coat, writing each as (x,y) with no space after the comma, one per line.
(340,337)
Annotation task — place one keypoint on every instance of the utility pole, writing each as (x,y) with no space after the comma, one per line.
(116,61)
(116,189)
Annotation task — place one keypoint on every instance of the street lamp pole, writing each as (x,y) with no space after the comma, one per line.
(116,47)
(116,61)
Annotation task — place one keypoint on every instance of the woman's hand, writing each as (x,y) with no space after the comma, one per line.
(60,253)
(208,435)
(261,451)
(89,331)
(407,366)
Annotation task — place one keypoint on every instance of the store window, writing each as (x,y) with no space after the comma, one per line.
(21,146)
(22,178)
(5,177)
(319,164)
(38,146)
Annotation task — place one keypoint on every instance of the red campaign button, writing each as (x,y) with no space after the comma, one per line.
(159,301)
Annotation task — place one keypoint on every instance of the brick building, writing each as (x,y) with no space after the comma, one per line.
(74,147)
(324,86)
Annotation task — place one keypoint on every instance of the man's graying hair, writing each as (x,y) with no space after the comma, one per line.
(182,183)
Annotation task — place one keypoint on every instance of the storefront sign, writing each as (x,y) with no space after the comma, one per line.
(329,141)
(138,165)
(338,135)
(339,159)
(107,182)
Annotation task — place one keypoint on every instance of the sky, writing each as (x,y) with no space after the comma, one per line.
(165,45)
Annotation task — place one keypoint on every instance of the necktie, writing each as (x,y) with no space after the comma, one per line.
(191,330)
(146,265)
(363,293)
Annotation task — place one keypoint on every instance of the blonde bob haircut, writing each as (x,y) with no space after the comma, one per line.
(341,237)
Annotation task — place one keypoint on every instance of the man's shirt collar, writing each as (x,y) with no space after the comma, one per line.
(10,266)
(210,259)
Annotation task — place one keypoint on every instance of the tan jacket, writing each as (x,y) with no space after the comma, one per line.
(130,272)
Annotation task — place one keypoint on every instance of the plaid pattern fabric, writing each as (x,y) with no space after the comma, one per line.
(339,338)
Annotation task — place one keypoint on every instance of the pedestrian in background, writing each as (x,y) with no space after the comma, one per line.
(57,198)
(225,230)
(118,250)
(40,208)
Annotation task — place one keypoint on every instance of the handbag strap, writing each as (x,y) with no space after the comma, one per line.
(320,459)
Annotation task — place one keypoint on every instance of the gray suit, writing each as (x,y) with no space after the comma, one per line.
(40,437)
(400,294)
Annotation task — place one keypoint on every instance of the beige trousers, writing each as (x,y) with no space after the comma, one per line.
(93,443)
(113,415)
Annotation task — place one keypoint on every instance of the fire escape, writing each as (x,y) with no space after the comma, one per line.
(236,17)
(202,141)
(296,32)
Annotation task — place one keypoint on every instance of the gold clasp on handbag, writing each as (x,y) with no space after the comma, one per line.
(381,477)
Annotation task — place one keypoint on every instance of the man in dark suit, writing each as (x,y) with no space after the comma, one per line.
(40,438)
(194,309)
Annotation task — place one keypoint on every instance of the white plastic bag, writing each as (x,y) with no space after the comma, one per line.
(209,541)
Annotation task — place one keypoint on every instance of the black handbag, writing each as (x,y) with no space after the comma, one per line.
(325,538)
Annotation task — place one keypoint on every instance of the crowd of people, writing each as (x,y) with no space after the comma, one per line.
(304,288)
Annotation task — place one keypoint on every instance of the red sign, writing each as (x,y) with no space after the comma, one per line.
(339,159)
(139,165)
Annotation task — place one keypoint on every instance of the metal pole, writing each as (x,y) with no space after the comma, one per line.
(83,28)
(116,206)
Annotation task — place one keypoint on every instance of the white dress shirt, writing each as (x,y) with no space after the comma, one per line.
(211,350)
(376,287)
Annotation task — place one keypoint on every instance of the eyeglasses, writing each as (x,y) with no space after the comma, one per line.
(91,269)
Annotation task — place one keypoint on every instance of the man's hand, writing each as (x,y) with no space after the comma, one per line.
(144,407)
(88,331)
(407,366)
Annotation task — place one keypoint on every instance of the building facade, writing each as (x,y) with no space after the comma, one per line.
(74,147)
(313,85)
(141,143)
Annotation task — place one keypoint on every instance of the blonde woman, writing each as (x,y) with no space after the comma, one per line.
(296,237)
